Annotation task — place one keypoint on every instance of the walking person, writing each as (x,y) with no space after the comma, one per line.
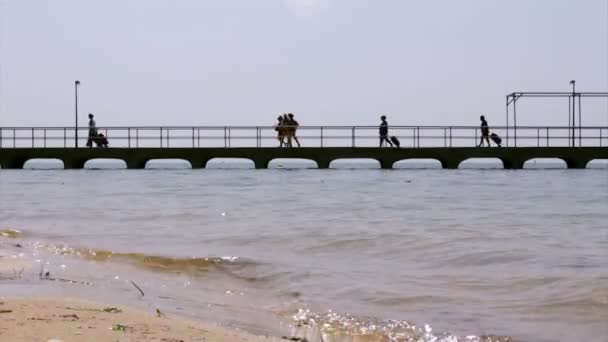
(292,127)
(280,130)
(92,130)
(485,131)
(384,132)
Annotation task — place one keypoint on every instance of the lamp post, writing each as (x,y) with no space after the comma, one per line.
(573,83)
(76,84)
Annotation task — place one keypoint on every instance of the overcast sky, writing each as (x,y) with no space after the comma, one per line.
(242,62)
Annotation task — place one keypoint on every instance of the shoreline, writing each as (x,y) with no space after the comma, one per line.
(59,317)
(66,320)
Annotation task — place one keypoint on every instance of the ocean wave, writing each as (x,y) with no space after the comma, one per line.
(334,327)
(156,263)
(11,233)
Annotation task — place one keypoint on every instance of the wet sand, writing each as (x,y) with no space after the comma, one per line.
(66,319)
(69,320)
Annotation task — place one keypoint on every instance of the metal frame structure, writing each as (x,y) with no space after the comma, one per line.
(511,99)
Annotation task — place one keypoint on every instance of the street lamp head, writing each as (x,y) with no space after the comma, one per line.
(572,82)
(77,82)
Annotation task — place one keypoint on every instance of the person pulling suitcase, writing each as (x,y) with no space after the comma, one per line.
(383,132)
(485,131)
(485,134)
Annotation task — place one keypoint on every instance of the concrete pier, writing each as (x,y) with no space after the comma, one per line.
(450,158)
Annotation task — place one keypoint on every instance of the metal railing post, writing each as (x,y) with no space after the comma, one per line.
(258,141)
(547,136)
(129,137)
(14,139)
(475,142)
(168,129)
(445,137)
(193,146)
(64,138)
(321,136)
(137,137)
(418,136)
(225,137)
(450,136)
(353,136)
(44,138)
(1,136)
(600,138)
(198,137)
(32,137)
(161,137)
(538,137)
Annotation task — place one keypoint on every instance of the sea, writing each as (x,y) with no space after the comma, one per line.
(345,254)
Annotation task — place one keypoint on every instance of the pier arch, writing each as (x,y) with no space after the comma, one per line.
(598,164)
(545,163)
(105,164)
(481,163)
(355,163)
(230,163)
(417,164)
(43,164)
(168,164)
(292,163)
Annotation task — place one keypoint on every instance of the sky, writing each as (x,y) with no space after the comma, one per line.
(331,62)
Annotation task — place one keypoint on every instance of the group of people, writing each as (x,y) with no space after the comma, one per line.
(286,128)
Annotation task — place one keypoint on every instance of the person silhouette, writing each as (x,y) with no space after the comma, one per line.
(384,132)
(485,131)
(280,130)
(92,130)
(292,127)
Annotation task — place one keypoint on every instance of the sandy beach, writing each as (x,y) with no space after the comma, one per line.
(66,320)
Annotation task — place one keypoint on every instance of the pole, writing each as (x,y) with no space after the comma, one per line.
(76,84)
(569,120)
(507,115)
(580,123)
(515,121)
(573,82)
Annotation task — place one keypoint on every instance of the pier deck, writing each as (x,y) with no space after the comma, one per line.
(450,158)
(450,145)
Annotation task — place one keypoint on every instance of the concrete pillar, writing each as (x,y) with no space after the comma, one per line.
(261,163)
(73,163)
(386,164)
(198,163)
(512,163)
(135,164)
(14,163)
(576,163)
(451,164)
(323,163)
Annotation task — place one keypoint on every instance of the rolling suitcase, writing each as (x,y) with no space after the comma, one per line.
(496,139)
(395,141)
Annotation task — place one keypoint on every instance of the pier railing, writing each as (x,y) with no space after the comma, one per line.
(308,136)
